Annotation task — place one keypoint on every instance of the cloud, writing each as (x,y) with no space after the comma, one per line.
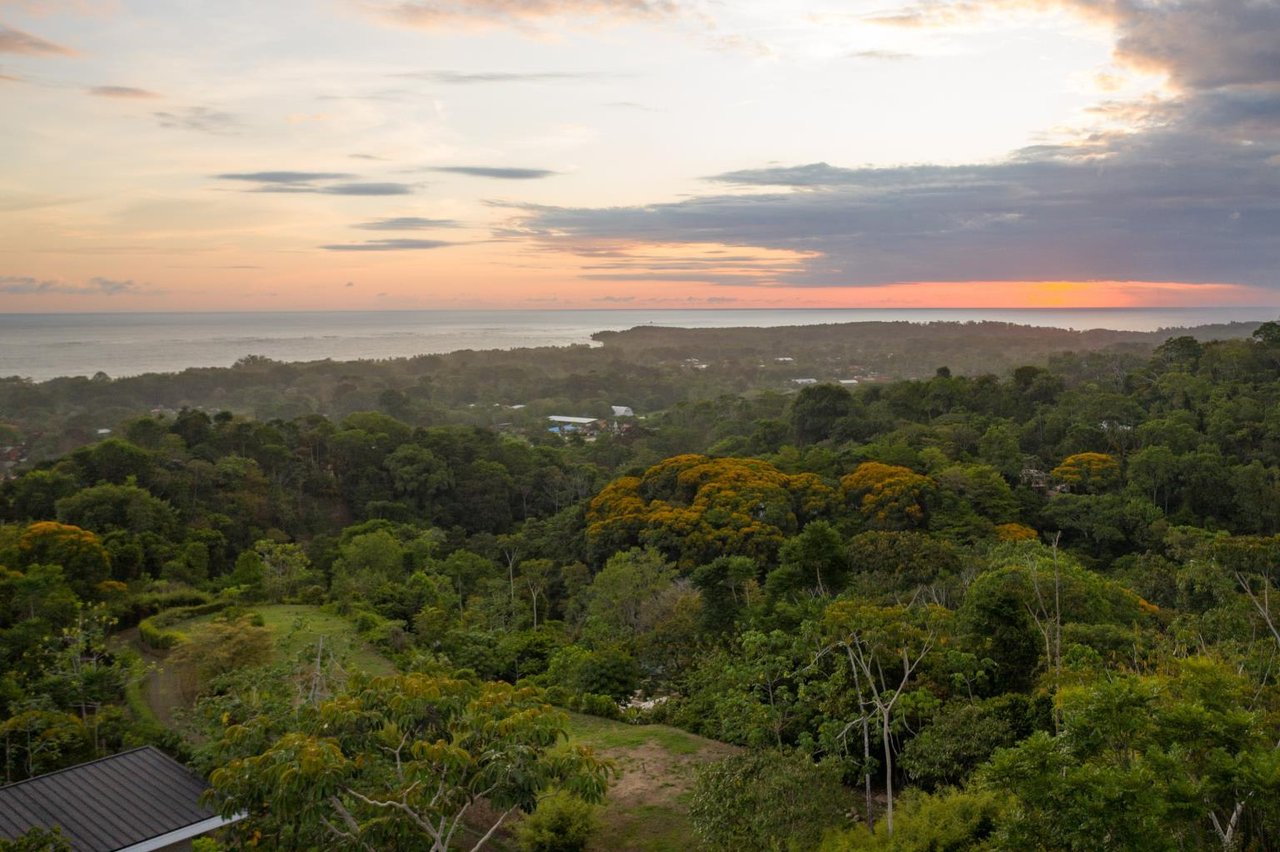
(125,92)
(112,287)
(1202,43)
(471,78)
(520,13)
(498,172)
(372,97)
(1187,192)
(407,223)
(366,189)
(315,183)
(882,55)
(202,119)
(16,41)
(389,245)
(286,178)
(1162,208)
(1199,43)
(97,286)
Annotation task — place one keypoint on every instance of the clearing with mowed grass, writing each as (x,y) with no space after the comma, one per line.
(294,628)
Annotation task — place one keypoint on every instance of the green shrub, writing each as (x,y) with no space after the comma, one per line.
(155,636)
(766,799)
(561,823)
(599,705)
(965,734)
(606,671)
(939,822)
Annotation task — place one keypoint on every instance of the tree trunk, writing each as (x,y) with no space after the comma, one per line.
(888,769)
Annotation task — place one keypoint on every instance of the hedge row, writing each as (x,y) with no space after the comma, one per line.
(134,610)
(152,630)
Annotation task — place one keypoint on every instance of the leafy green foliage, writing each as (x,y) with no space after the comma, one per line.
(765,800)
(396,760)
(560,823)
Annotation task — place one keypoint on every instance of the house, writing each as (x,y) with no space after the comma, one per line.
(564,426)
(622,411)
(10,458)
(804,381)
(135,801)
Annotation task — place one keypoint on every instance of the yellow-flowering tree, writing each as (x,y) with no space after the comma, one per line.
(695,508)
(1088,472)
(889,496)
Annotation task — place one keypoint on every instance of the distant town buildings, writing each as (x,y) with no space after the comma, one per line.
(589,428)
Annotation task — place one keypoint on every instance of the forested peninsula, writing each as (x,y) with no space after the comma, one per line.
(871,586)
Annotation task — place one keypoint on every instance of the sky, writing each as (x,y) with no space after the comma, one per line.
(417,154)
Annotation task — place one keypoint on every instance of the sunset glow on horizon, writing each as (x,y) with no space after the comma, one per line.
(350,155)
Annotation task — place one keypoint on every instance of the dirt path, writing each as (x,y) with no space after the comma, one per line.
(647,809)
(160,686)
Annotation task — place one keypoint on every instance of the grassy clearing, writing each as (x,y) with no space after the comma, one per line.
(647,809)
(297,627)
(605,734)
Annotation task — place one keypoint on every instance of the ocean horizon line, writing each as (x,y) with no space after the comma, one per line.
(683,309)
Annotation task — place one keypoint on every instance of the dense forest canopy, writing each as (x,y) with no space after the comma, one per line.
(1011,609)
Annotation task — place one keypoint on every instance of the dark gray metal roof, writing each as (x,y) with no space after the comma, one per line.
(107,804)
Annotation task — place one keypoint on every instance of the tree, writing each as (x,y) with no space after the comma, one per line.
(884,647)
(625,595)
(964,735)
(726,586)
(37,840)
(889,496)
(816,411)
(366,562)
(285,569)
(816,559)
(695,509)
(904,561)
(398,762)
(77,670)
(35,494)
(1088,472)
(79,552)
(38,741)
(107,507)
(536,577)
(765,800)
(1145,762)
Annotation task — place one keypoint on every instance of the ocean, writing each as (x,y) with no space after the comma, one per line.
(44,346)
